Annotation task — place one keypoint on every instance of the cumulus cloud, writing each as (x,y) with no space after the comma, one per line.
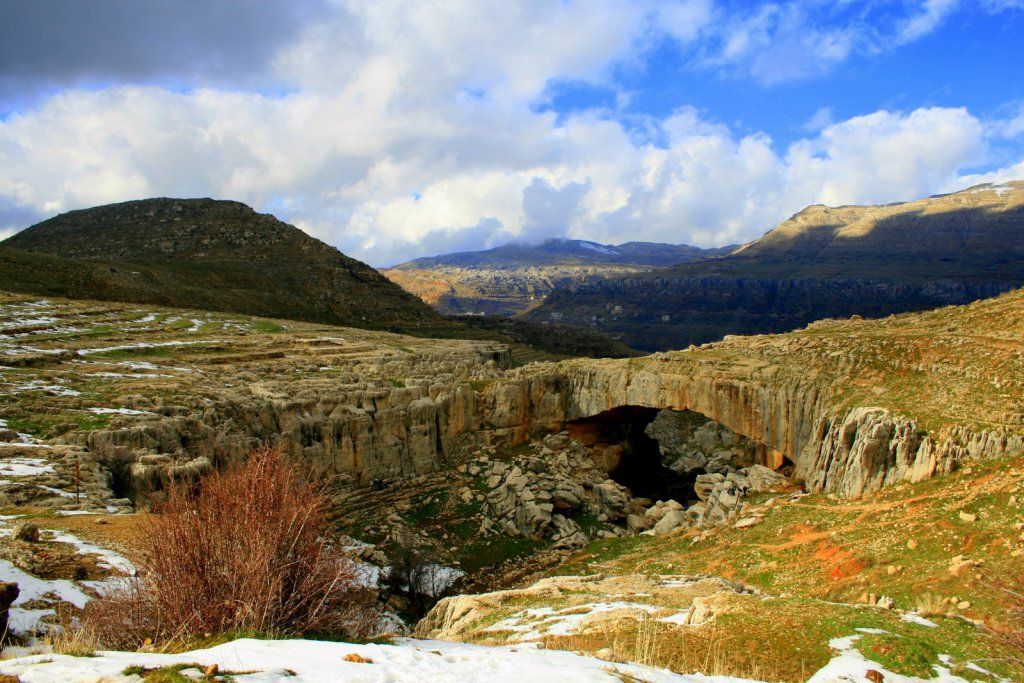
(408,128)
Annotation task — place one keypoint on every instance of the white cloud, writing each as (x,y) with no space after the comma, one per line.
(410,131)
(930,15)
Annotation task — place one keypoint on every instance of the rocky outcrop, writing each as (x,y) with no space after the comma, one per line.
(868,448)
(541,494)
(9,592)
(689,601)
(851,452)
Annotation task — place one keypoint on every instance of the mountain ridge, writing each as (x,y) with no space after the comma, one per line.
(821,262)
(513,278)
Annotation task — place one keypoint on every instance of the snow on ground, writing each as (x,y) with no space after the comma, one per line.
(407,661)
(852,666)
(16,350)
(915,618)
(107,558)
(535,622)
(139,365)
(39,385)
(118,411)
(24,467)
(33,588)
(57,492)
(138,345)
(23,620)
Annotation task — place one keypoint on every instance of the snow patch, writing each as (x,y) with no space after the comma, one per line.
(536,622)
(408,660)
(24,467)
(851,665)
(138,345)
(915,618)
(118,411)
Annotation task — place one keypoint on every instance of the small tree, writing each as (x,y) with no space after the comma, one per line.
(243,550)
(410,572)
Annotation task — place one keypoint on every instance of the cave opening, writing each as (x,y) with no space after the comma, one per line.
(639,466)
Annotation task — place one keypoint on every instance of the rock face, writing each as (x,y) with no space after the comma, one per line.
(851,452)
(366,431)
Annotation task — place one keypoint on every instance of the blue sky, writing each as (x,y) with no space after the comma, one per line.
(396,129)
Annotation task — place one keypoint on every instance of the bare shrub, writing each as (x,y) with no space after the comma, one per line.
(412,572)
(243,550)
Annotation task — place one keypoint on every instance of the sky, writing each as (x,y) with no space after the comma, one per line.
(401,128)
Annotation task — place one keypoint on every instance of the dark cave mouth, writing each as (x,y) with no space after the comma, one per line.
(641,468)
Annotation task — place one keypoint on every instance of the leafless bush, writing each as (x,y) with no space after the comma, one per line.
(243,551)
(414,572)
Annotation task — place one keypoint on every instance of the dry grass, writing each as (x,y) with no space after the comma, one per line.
(77,642)
(931,605)
(242,551)
(652,643)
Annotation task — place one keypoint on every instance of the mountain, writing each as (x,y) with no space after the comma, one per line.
(822,262)
(561,251)
(224,256)
(513,278)
(205,253)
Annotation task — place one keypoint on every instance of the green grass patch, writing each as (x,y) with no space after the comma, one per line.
(267,326)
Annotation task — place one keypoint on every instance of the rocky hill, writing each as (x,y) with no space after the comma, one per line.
(212,254)
(823,262)
(510,279)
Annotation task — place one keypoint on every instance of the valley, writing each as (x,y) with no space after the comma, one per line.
(512,279)
(822,262)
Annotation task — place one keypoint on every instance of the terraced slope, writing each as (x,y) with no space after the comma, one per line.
(103,384)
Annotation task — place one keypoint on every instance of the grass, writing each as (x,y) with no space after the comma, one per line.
(173,673)
(267,326)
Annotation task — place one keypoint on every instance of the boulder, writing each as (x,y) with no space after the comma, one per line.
(9,592)
(672,520)
(705,483)
(27,531)
(760,479)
